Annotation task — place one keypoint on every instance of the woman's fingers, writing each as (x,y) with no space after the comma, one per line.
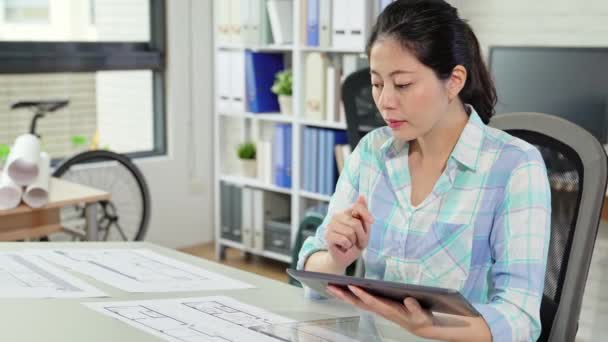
(361,210)
(356,227)
(344,230)
(338,239)
(346,296)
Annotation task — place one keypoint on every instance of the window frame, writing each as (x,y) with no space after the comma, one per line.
(27,57)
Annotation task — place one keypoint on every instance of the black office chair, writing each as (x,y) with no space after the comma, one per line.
(577,169)
(361,112)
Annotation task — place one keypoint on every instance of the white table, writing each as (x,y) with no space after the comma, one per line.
(68,320)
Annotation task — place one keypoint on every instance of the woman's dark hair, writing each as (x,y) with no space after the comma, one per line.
(441,40)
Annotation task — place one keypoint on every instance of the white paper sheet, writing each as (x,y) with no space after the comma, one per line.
(22,161)
(140,270)
(27,276)
(214,318)
(36,194)
(10,193)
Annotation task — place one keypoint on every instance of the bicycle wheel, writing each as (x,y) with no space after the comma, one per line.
(125,216)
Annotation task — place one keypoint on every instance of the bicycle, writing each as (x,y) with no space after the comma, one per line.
(124,217)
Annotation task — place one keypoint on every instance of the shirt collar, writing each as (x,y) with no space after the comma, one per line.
(467,149)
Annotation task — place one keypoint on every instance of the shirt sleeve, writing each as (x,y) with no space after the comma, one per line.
(519,243)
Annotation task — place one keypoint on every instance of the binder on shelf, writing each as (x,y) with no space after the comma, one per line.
(225,200)
(247,217)
(280,14)
(316,67)
(237,82)
(323,162)
(223,28)
(282,155)
(350,32)
(223,81)
(315,164)
(236,29)
(307,162)
(260,70)
(237,212)
(288,153)
(312,20)
(359,23)
(266,206)
(325,23)
(333,97)
(277,155)
(258,219)
(245,7)
(263,158)
(257,25)
(303,22)
(339,23)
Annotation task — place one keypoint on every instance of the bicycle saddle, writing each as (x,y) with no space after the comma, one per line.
(45,106)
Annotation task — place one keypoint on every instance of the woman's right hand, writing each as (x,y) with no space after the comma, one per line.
(347,234)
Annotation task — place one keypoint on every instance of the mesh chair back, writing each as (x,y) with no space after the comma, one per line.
(576,166)
(361,112)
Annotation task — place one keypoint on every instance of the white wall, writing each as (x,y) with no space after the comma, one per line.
(181,183)
(537,23)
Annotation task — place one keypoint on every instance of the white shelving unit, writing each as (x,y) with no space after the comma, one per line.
(300,199)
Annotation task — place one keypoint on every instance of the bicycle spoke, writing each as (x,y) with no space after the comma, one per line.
(122,234)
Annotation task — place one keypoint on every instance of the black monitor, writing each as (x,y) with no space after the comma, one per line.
(569,82)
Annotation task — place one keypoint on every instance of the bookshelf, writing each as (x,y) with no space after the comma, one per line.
(234,126)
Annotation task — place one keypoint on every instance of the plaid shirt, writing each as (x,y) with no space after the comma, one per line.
(483,230)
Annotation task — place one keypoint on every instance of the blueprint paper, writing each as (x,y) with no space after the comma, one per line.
(140,270)
(214,318)
(27,276)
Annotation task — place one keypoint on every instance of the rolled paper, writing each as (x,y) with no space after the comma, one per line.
(10,193)
(36,195)
(22,161)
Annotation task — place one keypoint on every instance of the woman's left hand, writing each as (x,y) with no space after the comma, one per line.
(408,315)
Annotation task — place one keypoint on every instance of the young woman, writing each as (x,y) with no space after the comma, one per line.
(437,197)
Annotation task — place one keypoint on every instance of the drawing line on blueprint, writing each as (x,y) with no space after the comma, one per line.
(140,262)
(164,324)
(26,274)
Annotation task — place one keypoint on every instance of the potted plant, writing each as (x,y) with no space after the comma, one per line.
(4,151)
(246,154)
(283,88)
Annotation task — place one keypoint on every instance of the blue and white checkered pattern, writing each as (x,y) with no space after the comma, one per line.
(483,230)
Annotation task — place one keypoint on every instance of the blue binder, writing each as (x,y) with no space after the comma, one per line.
(277,155)
(324,161)
(260,70)
(287,156)
(314,165)
(282,155)
(308,155)
(312,22)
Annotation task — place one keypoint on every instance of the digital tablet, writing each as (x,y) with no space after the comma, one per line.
(435,299)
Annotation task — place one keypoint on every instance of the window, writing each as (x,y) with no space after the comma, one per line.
(105,56)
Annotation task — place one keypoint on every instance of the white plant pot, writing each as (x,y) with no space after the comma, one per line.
(286,104)
(248,167)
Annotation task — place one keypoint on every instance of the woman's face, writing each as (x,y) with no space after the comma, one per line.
(408,94)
